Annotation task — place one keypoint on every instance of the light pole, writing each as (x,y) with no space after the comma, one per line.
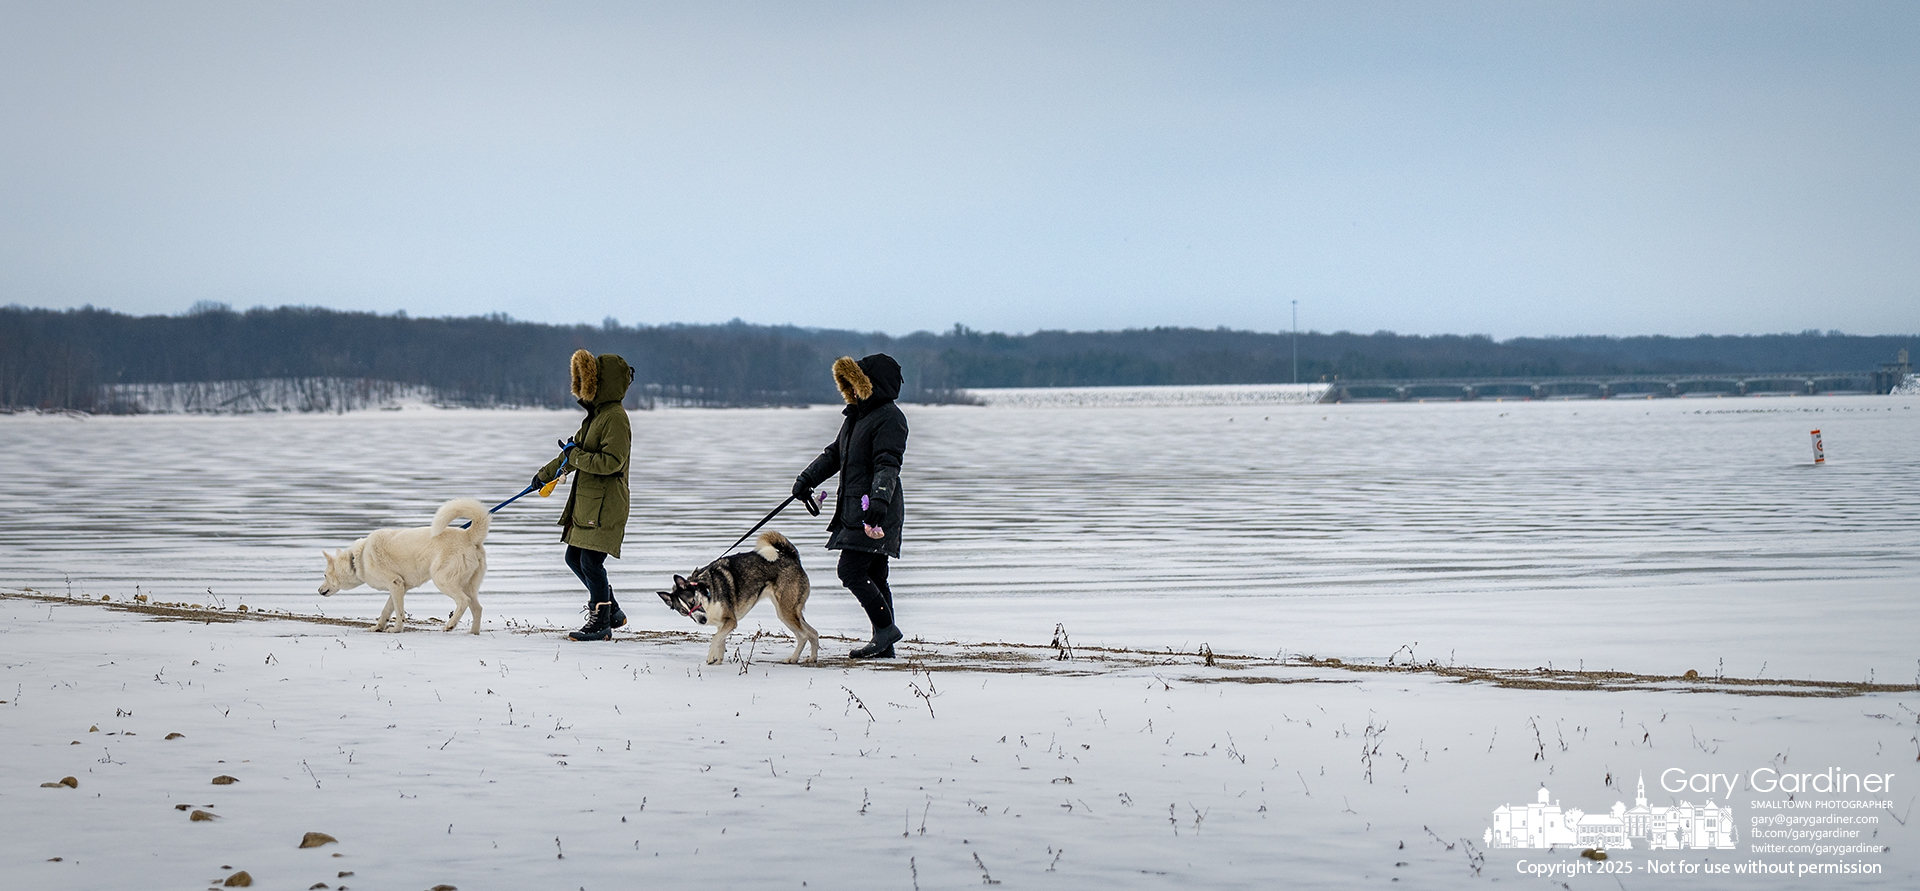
(1296,341)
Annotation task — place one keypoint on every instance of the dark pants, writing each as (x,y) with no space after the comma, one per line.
(865,574)
(591,568)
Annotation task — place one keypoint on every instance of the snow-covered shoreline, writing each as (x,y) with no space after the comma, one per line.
(343,395)
(516,760)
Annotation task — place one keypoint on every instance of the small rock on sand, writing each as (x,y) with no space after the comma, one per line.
(224,780)
(175,735)
(239,880)
(203,816)
(316,839)
(68,782)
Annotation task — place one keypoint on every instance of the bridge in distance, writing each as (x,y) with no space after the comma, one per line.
(1624,386)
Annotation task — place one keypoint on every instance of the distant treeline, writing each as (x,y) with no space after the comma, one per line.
(67,359)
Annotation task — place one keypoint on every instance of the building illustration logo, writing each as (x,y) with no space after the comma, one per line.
(1543,824)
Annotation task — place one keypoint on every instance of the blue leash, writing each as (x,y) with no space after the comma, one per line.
(565,448)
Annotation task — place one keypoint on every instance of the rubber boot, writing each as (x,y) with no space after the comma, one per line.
(877,601)
(599,624)
(888,593)
(881,647)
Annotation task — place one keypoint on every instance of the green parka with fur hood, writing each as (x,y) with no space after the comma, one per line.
(596,514)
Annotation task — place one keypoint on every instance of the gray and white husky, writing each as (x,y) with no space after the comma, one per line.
(398,560)
(723,591)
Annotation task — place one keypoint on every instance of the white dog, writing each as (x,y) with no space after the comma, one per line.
(397,560)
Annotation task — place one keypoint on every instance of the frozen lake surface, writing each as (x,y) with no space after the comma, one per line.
(1633,535)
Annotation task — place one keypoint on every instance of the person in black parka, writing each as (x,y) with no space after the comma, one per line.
(870,512)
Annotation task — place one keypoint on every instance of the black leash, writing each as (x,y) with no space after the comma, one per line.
(813,507)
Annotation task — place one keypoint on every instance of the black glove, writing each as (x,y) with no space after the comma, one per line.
(802,491)
(537,481)
(875,513)
(567,445)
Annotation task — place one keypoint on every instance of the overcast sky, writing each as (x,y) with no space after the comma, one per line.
(1501,168)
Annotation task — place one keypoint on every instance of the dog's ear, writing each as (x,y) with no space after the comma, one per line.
(681,582)
(675,603)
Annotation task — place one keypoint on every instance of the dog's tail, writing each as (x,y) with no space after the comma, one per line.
(463,508)
(771,545)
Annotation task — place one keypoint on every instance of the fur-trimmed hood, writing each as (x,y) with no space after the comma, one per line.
(874,380)
(599,379)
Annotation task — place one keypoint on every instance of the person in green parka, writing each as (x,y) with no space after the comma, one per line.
(595,519)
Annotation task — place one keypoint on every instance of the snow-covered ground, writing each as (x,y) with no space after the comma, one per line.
(1653,537)
(515,761)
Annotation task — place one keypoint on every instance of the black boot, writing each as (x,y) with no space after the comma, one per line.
(599,624)
(619,619)
(881,647)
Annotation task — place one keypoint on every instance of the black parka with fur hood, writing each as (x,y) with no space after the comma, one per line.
(866,455)
(596,514)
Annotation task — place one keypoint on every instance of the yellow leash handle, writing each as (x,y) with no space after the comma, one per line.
(558,472)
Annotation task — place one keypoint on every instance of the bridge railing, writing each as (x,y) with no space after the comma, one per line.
(1771,383)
